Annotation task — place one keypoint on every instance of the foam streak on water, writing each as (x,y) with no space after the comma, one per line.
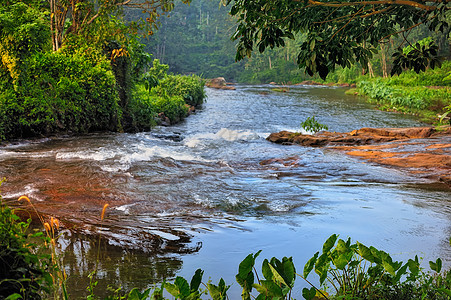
(213,184)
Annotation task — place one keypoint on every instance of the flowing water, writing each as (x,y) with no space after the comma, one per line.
(210,190)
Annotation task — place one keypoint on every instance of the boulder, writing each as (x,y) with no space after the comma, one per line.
(219,83)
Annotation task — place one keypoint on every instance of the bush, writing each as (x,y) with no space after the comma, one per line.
(143,113)
(191,88)
(145,106)
(61,93)
(24,273)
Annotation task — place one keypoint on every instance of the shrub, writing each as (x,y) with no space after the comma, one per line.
(61,93)
(146,105)
(173,107)
(418,100)
(24,273)
(143,113)
(191,88)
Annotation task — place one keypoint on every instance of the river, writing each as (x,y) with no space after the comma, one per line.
(197,195)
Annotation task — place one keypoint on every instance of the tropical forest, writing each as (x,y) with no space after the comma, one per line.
(225,149)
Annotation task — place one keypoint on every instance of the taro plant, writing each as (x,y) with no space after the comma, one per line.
(356,271)
(312,125)
(278,282)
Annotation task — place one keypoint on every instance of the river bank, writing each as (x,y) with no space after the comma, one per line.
(422,151)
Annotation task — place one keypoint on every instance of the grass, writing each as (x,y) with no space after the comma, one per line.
(426,95)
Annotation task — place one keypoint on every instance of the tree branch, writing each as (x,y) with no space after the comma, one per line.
(374,2)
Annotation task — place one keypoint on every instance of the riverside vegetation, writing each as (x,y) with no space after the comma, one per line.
(346,270)
(94,82)
(426,94)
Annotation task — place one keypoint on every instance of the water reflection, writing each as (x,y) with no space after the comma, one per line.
(117,266)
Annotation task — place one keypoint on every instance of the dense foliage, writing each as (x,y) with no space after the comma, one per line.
(165,95)
(337,33)
(24,273)
(85,86)
(195,39)
(426,94)
(61,92)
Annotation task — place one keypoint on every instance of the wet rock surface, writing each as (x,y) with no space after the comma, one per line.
(422,151)
(219,83)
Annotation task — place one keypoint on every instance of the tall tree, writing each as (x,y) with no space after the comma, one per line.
(75,16)
(339,32)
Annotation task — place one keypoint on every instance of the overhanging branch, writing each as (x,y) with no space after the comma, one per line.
(375,2)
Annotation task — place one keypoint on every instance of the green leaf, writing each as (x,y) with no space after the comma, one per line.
(260,289)
(402,271)
(309,294)
(183,286)
(14,297)
(310,264)
(289,271)
(266,270)
(436,266)
(341,261)
(246,265)
(172,289)
(341,246)
(322,261)
(214,291)
(278,278)
(330,242)
(312,45)
(196,280)
(270,288)
(365,252)
(135,294)
(388,266)
(414,266)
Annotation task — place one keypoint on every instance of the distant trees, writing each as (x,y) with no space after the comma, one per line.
(75,16)
(196,39)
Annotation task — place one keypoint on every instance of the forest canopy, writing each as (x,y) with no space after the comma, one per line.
(340,33)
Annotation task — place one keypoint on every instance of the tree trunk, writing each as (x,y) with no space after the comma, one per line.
(383,61)
(370,70)
(52,25)
(58,13)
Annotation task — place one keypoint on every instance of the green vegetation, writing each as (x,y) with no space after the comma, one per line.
(312,125)
(171,95)
(340,33)
(426,94)
(346,271)
(24,271)
(91,83)
(196,40)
